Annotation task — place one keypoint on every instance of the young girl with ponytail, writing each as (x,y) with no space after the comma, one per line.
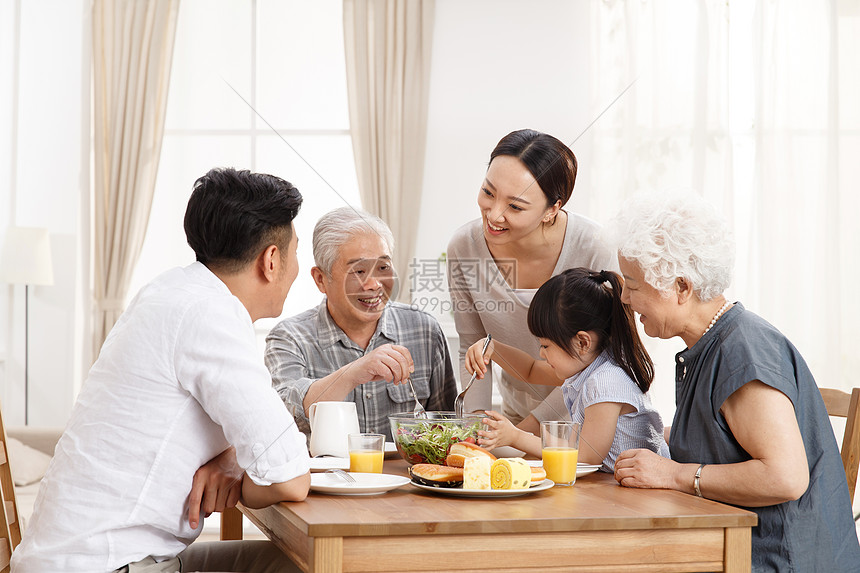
(589,344)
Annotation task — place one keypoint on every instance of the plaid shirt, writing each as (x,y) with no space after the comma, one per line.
(310,346)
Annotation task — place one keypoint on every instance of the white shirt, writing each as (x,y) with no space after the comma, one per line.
(179,378)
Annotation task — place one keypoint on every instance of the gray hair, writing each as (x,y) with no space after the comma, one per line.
(336,228)
(674,237)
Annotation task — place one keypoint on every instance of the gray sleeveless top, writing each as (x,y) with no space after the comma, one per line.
(813,533)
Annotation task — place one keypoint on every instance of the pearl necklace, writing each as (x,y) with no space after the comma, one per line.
(717,317)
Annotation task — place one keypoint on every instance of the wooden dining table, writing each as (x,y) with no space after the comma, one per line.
(594,525)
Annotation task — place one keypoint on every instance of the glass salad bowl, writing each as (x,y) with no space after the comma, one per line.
(427,440)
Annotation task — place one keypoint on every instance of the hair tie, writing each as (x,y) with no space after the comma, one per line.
(604,277)
(600,277)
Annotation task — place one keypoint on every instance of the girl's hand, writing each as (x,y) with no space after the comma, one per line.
(477,363)
(501,431)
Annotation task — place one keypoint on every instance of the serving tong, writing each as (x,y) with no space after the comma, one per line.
(461,397)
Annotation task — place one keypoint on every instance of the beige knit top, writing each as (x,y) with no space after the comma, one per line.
(484,302)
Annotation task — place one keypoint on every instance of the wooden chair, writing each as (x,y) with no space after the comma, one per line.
(844,405)
(231,524)
(10,527)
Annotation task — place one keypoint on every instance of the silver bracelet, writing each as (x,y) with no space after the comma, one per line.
(696,481)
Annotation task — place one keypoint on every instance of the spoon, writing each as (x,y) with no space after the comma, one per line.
(458,402)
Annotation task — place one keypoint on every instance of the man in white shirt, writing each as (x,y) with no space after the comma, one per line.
(179,383)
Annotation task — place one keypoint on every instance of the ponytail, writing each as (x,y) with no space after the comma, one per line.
(624,343)
(581,300)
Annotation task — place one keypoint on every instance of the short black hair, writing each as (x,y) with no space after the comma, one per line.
(233,215)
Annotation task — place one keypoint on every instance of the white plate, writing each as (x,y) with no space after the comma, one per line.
(333,463)
(390,450)
(507,452)
(581,469)
(585,469)
(329,463)
(460,492)
(367,483)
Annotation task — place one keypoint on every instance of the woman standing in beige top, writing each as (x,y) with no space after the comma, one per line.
(497,262)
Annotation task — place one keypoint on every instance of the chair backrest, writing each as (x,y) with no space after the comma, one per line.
(10,526)
(845,405)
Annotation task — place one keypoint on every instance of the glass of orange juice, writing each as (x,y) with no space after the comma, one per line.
(366,452)
(560,450)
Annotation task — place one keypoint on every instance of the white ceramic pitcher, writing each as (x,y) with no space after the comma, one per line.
(331,423)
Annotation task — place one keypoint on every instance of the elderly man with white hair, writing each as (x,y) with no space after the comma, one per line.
(357,345)
(750,426)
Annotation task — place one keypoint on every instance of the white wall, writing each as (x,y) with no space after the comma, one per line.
(498,65)
(46,124)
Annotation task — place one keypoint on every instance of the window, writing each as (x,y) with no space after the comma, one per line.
(259,85)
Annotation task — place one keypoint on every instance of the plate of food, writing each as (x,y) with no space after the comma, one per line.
(472,471)
(461,492)
(365,483)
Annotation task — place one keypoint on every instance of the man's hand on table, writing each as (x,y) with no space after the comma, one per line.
(216,486)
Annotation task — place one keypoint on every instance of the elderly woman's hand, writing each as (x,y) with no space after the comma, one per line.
(646,469)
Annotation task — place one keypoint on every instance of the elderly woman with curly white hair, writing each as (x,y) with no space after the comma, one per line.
(750,427)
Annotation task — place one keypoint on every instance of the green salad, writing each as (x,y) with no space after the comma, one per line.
(429,441)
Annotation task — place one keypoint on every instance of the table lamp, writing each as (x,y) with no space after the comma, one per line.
(26,260)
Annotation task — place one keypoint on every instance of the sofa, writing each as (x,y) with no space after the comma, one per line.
(30,449)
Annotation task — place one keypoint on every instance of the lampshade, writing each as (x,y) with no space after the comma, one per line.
(27,257)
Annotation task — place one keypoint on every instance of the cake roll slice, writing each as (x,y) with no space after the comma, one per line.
(510,473)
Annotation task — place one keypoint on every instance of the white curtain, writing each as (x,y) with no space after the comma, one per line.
(755,106)
(132,52)
(388,45)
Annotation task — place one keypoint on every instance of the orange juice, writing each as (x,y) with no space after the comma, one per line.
(368,461)
(560,464)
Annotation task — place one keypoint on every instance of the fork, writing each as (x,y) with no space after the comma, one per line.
(461,397)
(342,474)
(418,410)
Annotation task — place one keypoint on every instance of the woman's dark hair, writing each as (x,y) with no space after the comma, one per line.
(551,162)
(584,300)
(233,215)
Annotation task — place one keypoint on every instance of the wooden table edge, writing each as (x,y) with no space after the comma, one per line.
(327,553)
(740,518)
